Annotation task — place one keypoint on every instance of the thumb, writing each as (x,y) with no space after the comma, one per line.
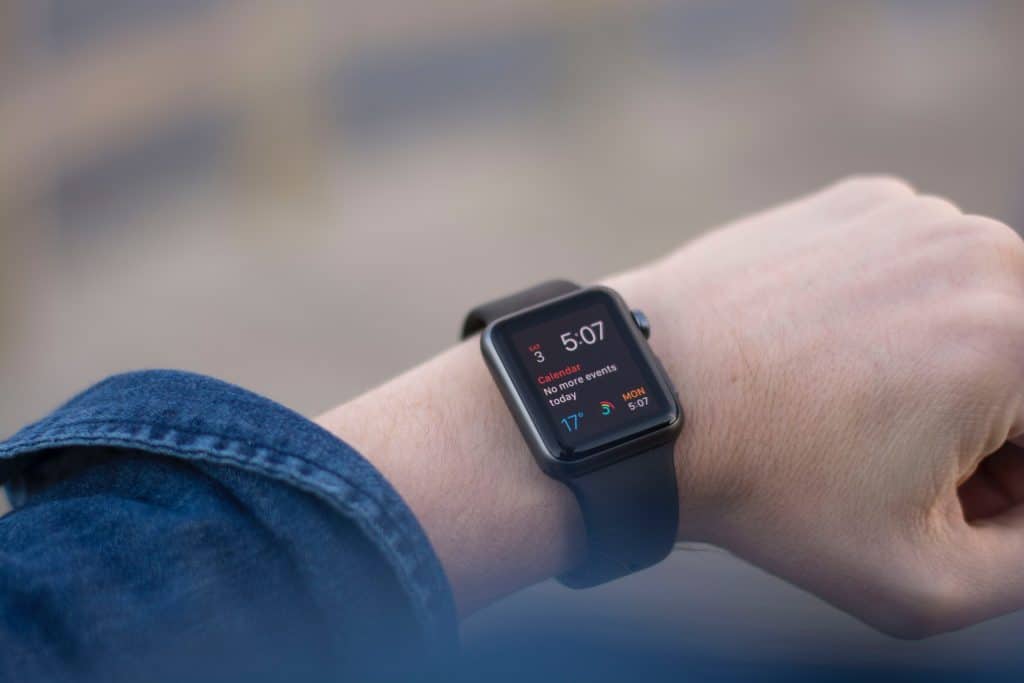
(989,540)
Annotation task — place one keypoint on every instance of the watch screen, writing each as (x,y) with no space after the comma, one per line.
(582,374)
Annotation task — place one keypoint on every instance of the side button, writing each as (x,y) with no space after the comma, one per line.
(642,322)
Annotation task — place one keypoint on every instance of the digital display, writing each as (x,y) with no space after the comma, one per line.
(582,376)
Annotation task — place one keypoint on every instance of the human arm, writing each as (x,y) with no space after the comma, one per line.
(845,363)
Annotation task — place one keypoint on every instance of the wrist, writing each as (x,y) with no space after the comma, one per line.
(497,522)
(681,340)
(451,449)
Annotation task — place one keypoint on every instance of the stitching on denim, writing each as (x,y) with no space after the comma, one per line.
(62,426)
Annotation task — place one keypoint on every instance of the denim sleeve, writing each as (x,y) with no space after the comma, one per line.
(168,526)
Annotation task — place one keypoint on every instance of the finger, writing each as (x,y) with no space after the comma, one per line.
(981,498)
(1005,468)
(996,485)
(988,576)
(975,565)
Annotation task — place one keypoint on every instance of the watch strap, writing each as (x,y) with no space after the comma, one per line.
(478,318)
(631,511)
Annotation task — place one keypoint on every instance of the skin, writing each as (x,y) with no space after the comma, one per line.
(851,365)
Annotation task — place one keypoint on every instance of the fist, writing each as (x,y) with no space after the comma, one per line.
(851,366)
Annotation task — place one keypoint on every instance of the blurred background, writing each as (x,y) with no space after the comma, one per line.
(304,197)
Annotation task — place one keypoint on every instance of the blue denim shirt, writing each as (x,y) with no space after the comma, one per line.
(168,526)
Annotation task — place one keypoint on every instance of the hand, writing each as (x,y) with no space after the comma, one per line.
(852,367)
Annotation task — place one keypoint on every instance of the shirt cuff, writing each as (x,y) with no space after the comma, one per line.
(197,418)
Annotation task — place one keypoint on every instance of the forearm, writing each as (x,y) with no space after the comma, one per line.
(443,438)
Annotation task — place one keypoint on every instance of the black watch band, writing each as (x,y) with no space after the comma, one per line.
(478,318)
(631,507)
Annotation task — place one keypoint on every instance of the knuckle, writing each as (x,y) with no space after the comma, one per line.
(990,254)
(879,187)
(996,235)
(985,329)
(925,611)
(934,207)
(992,311)
(914,624)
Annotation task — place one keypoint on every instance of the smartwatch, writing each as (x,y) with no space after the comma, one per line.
(598,412)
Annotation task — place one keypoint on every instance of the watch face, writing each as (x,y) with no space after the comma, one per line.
(583,373)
